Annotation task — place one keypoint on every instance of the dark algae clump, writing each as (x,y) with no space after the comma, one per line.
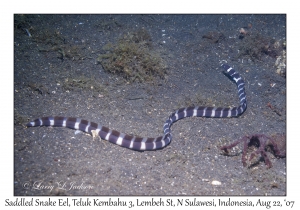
(255,45)
(133,57)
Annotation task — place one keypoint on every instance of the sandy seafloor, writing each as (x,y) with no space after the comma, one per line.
(46,156)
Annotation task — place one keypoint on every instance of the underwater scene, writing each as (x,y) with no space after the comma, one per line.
(154,104)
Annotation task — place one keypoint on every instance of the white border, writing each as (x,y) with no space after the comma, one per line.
(8,8)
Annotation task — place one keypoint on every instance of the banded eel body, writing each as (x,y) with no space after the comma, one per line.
(138,143)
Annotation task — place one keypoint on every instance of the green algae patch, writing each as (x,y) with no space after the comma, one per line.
(133,57)
(83,83)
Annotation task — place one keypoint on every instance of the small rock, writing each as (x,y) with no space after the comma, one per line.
(216,182)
